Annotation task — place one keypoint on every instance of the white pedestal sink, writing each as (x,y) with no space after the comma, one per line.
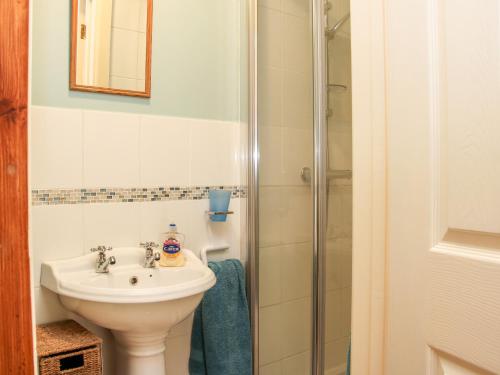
(139,305)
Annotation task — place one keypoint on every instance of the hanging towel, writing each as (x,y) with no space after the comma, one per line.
(348,367)
(221,341)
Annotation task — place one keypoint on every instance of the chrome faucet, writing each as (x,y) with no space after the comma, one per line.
(102,263)
(151,255)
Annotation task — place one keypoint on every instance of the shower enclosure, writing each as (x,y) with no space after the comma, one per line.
(300,186)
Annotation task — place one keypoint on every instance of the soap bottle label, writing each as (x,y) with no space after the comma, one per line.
(171,248)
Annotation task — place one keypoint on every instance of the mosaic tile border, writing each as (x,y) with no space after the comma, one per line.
(127,195)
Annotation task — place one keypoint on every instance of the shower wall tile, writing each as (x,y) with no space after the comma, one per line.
(56,153)
(296,271)
(296,223)
(273,4)
(297,154)
(297,335)
(271,334)
(297,51)
(299,364)
(271,156)
(299,8)
(270,86)
(270,49)
(271,369)
(270,275)
(271,211)
(297,100)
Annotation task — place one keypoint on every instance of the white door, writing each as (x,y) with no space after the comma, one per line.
(443,227)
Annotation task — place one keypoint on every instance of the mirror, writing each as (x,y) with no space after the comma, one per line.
(111,46)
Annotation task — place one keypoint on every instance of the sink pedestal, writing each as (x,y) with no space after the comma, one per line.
(140,354)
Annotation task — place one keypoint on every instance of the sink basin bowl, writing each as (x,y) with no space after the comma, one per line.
(139,305)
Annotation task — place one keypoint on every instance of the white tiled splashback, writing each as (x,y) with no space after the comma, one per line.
(72,148)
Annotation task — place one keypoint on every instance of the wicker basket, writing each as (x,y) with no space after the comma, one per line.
(68,348)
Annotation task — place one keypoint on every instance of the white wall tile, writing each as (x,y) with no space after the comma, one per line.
(156,217)
(214,153)
(55,148)
(204,232)
(164,151)
(57,233)
(48,309)
(111,149)
(111,224)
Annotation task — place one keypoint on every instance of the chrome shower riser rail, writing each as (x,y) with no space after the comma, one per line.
(320,184)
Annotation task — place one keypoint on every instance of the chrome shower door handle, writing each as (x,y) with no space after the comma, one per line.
(305,174)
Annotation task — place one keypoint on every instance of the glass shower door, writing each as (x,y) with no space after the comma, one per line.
(338,268)
(285,140)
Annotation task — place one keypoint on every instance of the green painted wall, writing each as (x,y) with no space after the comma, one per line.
(196,61)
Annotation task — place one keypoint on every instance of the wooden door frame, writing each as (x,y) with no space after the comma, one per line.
(16,330)
(369,186)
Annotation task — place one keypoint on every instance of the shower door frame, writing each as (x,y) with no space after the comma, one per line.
(369,186)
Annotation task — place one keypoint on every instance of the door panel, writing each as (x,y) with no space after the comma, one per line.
(444,183)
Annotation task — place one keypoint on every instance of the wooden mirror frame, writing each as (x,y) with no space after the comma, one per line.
(108,90)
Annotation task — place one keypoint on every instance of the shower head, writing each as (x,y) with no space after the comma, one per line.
(330,33)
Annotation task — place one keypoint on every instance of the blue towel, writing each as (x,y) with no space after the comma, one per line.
(221,343)
(348,369)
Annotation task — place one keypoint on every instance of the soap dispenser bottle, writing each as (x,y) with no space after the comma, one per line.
(172,255)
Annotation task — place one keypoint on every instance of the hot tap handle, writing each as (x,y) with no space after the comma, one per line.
(101,249)
(149,245)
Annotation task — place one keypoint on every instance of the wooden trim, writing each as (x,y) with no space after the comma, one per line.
(16,331)
(106,90)
(369,187)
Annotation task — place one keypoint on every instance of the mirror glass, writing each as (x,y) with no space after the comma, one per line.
(111,46)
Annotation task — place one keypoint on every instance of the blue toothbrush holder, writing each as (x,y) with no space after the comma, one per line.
(219,205)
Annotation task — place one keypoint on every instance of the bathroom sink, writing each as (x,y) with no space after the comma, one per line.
(140,305)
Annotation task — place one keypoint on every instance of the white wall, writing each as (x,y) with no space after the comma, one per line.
(73,148)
